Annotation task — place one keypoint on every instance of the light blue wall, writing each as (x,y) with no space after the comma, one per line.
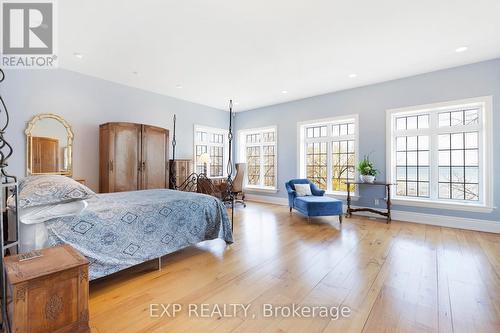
(85,102)
(370,103)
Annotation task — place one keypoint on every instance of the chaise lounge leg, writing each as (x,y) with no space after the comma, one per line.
(159,263)
(290,209)
(340,218)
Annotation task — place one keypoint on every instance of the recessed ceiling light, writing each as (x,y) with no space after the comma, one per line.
(78,55)
(284,92)
(353,75)
(461,49)
(178,86)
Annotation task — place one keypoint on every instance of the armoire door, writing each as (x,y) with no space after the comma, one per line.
(154,157)
(124,165)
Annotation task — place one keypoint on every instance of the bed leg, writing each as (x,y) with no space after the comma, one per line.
(159,263)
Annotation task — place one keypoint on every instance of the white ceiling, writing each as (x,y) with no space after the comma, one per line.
(253,50)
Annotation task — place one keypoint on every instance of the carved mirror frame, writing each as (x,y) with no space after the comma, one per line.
(69,133)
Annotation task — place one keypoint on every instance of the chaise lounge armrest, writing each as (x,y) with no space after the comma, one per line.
(316,191)
(290,190)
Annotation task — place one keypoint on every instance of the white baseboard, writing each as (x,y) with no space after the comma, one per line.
(400,215)
(266,199)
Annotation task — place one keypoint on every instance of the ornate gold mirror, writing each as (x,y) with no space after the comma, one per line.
(49,146)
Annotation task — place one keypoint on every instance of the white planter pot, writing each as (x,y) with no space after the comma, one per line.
(367,178)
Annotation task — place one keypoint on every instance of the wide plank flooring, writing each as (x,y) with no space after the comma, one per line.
(400,277)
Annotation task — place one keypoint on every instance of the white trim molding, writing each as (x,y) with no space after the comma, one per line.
(442,221)
(405,216)
(485,157)
(443,205)
(261,189)
(225,146)
(242,156)
(329,137)
(267,199)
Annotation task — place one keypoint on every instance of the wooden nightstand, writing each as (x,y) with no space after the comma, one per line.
(48,293)
(81,181)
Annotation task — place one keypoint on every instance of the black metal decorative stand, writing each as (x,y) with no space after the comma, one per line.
(201,183)
(173,176)
(8,186)
(229,195)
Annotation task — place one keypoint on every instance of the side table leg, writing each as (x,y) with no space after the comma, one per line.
(389,218)
(348,212)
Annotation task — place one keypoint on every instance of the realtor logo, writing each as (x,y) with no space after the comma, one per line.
(28,32)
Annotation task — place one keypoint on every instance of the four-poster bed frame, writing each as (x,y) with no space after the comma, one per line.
(199,182)
(8,186)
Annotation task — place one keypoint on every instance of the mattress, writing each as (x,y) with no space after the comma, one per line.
(33,234)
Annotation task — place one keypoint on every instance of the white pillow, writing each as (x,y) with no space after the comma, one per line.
(39,214)
(303,190)
(44,190)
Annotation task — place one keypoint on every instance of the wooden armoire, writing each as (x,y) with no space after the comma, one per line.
(132,157)
(44,154)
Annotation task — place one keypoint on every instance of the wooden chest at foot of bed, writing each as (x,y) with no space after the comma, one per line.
(48,293)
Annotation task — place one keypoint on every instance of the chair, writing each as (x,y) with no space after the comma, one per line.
(316,204)
(238,183)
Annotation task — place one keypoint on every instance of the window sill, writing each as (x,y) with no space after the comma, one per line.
(260,189)
(443,205)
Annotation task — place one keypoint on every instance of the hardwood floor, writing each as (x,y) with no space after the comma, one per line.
(400,277)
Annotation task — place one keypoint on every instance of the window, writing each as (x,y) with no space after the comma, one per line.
(441,154)
(258,151)
(328,152)
(212,141)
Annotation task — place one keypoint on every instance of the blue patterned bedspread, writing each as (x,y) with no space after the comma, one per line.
(120,230)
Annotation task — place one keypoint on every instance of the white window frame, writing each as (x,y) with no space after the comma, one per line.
(485,204)
(242,156)
(303,141)
(225,144)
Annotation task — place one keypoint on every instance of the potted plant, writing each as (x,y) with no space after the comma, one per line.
(367,171)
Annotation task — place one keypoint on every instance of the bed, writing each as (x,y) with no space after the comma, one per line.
(116,230)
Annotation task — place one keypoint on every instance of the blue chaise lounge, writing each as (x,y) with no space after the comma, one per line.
(316,204)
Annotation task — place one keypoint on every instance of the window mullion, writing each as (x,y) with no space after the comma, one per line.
(329,173)
(482,162)
(261,163)
(434,158)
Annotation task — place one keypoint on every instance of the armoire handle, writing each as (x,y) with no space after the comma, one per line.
(143,165)
(110,165)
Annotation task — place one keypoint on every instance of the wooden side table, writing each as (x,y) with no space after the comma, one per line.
(387,213)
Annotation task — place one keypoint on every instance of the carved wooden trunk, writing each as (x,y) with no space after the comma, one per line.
(48,293)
